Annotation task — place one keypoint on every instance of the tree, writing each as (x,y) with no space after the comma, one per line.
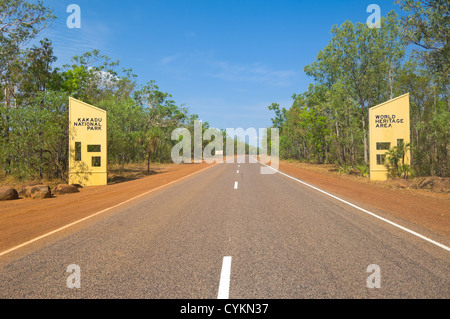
(20,22)
(37,70)
(280,115)
(38,141)
(362,67)
(152,140)
(427,27)
(33,115)
(365,61)
(125,121)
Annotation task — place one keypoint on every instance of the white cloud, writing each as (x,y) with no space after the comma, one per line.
(70,42)
(168,59)
(255,72)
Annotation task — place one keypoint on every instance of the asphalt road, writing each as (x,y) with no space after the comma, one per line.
(280,238)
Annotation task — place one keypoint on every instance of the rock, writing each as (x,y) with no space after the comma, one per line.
(62,189)
(37,192)
(8,193)
(77,185)
(41,192)
(25,190)
(402,184)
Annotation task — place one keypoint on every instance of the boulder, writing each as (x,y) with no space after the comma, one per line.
(402,184)
(25,189)
(8,193)
(37,192)
(62,189)
(41,192)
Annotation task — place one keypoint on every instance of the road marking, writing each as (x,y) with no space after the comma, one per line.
(224,284)
(235,185)
(363,210)
(237,172)
(239,165)
(97,213)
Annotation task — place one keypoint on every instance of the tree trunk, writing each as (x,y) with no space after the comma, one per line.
(366,150)
(338,145)
(391,85)
(148,162)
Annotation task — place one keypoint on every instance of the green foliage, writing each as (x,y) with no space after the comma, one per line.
(125,120)
(362,67)
(363,170)
(396,161)
(36,133)
(345,169)
(34,96)
(359,68)
(280,115)
(426,26)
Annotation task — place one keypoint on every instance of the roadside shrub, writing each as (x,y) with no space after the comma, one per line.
(396,161)
(363,170)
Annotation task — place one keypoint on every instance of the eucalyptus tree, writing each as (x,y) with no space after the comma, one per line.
(20,22)
(160,117)
(427,26)
(365,60)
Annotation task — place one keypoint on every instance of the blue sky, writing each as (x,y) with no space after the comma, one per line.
(225,60)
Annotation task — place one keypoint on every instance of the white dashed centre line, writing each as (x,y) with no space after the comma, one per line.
(224,284)
(235,185)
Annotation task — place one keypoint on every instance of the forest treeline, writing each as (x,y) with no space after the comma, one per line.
(34,97)
(359,68)
(362,67)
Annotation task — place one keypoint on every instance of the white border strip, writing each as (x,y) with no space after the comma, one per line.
(363,210)
(97,213)
(224,284)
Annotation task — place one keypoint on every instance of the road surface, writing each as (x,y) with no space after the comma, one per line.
(229,232)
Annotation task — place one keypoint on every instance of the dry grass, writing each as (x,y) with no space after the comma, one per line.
(116,174)
(19,184)
(409,185)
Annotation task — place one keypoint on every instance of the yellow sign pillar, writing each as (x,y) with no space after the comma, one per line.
(389,126)
(87,144)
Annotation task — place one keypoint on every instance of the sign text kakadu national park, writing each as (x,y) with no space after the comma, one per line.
(91,124)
